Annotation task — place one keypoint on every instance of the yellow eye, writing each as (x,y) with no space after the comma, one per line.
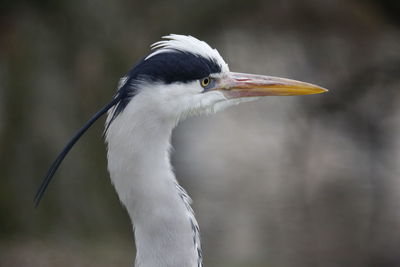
(205,82)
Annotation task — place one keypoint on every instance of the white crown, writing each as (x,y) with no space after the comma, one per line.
(188,44)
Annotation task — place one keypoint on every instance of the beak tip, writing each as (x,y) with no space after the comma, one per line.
(317,90)
(323,90)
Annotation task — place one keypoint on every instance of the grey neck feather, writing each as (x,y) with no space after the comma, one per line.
(166,231)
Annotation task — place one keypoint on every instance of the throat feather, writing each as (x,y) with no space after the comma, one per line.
(193,222)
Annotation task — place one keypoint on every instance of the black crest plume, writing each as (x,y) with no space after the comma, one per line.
(53,168)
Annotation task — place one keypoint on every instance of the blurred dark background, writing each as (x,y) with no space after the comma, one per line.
(284,181)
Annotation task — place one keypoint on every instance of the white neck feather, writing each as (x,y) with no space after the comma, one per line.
(166,232)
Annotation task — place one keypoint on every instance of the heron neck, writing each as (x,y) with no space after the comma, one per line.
(166,231)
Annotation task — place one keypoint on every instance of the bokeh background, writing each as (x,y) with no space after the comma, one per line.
(284,181)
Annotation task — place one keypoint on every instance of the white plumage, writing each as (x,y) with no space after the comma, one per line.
(138,162)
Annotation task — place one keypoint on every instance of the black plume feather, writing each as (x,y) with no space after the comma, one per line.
(53,168)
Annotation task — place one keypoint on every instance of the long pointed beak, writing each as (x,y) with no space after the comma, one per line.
(237,85)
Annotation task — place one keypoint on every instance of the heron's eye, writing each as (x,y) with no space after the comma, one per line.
(205,82)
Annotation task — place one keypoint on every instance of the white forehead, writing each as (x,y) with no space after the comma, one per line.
(188,44)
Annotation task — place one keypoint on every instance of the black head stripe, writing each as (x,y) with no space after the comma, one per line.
(175,66)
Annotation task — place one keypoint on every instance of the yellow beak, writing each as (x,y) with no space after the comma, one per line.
(237,85)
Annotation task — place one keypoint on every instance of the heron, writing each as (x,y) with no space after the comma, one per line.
(180,77)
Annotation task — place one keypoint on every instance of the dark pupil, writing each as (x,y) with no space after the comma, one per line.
(206,81)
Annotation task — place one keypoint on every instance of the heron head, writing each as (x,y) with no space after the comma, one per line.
(185,76)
